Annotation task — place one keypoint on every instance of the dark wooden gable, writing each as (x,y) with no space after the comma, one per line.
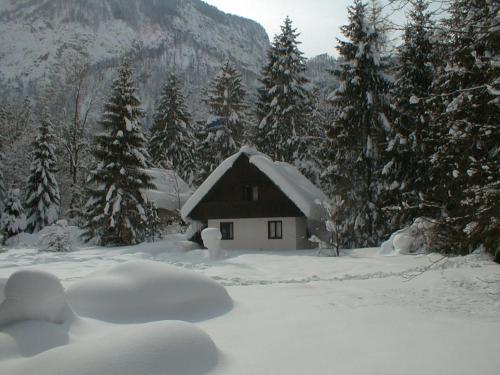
(226,199)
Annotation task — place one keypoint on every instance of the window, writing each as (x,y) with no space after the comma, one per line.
(275,230)
(227,231)
(250,193)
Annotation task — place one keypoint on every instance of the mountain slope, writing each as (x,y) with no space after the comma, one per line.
(186,36)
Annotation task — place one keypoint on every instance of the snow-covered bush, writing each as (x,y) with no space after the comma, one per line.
(411,240)
(152,230)
(12,219)
(57,238)
(334,219)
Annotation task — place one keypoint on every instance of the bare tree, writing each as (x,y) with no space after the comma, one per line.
(80,92)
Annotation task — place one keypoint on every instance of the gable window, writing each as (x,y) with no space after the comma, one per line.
(275,230)
(250,193)
(227,231)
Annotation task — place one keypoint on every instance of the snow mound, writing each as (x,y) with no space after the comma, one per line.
(34,295)
(411,240)
(142,291)
(157,348)
(211,238)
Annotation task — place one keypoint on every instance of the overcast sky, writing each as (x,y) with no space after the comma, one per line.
(318,21)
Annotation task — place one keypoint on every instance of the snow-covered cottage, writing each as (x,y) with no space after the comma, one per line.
(257,204)
(170,194)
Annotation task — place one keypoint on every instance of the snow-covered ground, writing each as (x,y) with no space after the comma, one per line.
(291,313)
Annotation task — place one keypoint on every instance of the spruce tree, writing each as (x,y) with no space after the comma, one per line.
(172,137)
(410,144)
(283,104)
(360,127)
(12,218)
(465,171)
(42,192)
(225,98)
(2,182)
(116,207)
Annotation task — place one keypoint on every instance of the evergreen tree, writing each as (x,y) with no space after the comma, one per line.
(42,193)
(152,231)
(172,137)
(309,157)
(283,105)
(12,219)
(2,181)
(116,207)
(410,144)
(465,171)
(225,98)
(359,129)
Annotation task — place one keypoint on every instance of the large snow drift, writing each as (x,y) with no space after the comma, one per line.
(143,291)
(34,295)
(157,348)
(34,343)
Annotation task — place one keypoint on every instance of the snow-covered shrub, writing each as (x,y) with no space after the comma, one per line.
(152,230)
(57,238)
(334,219)
(12,219)
(411,240)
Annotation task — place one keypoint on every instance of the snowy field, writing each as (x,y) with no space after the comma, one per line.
(249,313)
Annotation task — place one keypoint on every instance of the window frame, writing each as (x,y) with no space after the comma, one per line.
(250,193)
(230,225)
(275,223)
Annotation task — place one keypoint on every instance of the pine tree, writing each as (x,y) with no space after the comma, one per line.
(225,98)
(12,219)
(309,156)
(116,207)
(42,193)
(283,105)
(410,144)
(2,182)
(359,130)
(172,137)
(465,171)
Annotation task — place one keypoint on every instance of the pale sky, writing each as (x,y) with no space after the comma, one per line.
(318,21)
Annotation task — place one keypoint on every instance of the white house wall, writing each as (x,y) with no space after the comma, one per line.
(251,234)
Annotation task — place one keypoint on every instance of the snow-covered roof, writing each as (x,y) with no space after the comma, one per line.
(171,191)
(286,177)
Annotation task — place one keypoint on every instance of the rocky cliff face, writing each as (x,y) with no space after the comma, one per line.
(188,37)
